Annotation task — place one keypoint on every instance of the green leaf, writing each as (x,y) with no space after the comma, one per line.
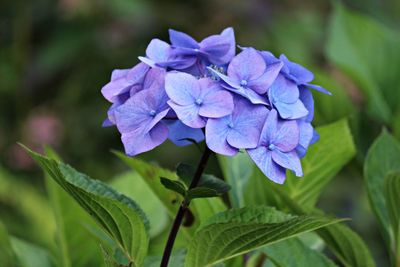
(352,38)
(117,214)
(322,162)
(392,194)
(30,255)
(177,259)
(201,192)
(382,158)
(176,186)
(207,207)
(239,231)
(212,182)
(151,176)
(347,246)
(133,186)
(185,172)
(209,186)
(294,253)
(70,230)
(237,171)
(7,256)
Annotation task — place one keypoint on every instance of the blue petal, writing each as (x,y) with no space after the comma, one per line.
(180,39)
(297,72)
(263,159)
(318,88)
(288,160)
(217,131)
(137,142)
(291,111)
(179,133)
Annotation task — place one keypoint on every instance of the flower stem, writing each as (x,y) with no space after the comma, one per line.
(183,208)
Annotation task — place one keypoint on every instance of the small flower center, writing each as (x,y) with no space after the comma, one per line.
(199,101)
(271,147)
(152,113)
(243,83)
(230,125)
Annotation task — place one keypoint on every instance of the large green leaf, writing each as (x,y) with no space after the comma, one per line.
(294,253)
(392,194)
(117,214)
(237,171)
(71,232)
(352,38)
(382,158)
(347,246)
(236,232)
(341,240)
(322,162)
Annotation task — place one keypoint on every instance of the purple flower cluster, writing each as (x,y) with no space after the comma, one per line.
(188,91)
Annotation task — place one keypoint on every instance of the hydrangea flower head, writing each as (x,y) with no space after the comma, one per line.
(189,91)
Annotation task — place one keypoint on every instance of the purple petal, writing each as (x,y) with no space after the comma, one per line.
(180,39)
(247,124)
(123,80)
(118,74)
(189,115)
(301,74)
(261,84)
(137,74)
(114,88)
(216,134)
(158,51)
(287,136)
(305,137)
(263,159)
(318,88)
(291,111)
(315,137)
(234,87)
(107,123)
(137,142)
(179,133)
(307,99)
(137,111)
(269,58)
(247,65)
(270,128)
(216,103)
(154,78)
(182,88)
(288,160)
(284,90)
(160,115)
(220,48)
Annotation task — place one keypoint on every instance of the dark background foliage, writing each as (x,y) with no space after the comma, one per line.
(56,55)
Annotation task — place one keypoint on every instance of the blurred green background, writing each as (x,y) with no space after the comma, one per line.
(56,55)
